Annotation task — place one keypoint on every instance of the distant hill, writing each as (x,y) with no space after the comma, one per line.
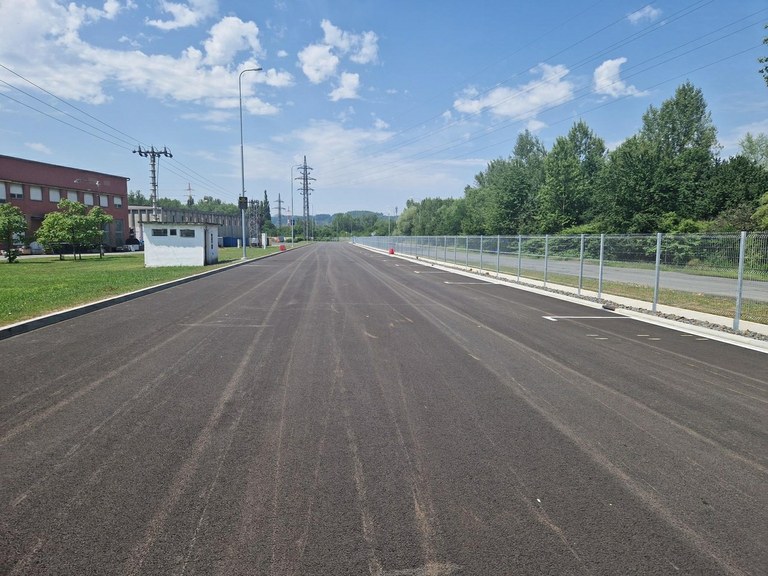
(359,213)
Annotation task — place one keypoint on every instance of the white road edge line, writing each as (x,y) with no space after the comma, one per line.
(556,318)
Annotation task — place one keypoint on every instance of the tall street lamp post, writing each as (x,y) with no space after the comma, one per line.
(243,200)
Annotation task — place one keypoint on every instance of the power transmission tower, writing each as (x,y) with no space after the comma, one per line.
(153,156)
(305,179)
(279,212)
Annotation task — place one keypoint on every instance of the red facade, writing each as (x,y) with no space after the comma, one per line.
(36,188)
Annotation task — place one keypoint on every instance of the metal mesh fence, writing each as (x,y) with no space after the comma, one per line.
(721,274)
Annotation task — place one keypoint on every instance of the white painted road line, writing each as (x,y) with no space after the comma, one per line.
(556,318)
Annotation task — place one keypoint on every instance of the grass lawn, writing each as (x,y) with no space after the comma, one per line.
(34,286)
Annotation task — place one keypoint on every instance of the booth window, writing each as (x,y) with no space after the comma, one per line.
(159,231)
(187,233)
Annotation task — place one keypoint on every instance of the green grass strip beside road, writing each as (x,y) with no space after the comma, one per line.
(35,286)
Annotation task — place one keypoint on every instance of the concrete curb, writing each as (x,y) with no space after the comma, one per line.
(61,315)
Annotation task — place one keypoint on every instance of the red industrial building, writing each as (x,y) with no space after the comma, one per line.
(36,188)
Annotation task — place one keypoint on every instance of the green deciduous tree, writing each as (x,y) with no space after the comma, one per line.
(13,224)
(211,204)
(136,198)
(626,202)
(660,175)
(684,140)
(760,217)
(73,226)
(571,172)
(755,148)
(736,182)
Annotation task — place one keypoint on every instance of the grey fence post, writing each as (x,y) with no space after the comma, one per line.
(600,274)
(445,249)
(581,264)
(519,255)
(498,254)
(467,253)
(740,285)
(659,236)
(481,253)
(455,244)
(546,258)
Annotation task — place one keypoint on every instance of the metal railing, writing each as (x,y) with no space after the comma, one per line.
(721,274)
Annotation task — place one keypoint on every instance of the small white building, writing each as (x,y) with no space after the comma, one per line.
(180,244)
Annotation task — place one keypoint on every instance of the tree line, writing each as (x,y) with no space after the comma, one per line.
(666,178)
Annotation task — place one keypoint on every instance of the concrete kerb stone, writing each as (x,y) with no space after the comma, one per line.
(683,321)
(61,315)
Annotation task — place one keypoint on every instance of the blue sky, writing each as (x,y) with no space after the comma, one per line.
(388,100)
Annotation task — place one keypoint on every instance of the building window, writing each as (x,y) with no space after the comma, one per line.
(173,231)
(187,233)
(159,231)
(17,192)
(54,195)
(88,198)
(104,201)
(2,192)
(117,201)
(36,193)
(72,195)
(119,236)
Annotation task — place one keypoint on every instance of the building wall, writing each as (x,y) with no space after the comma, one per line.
(228,225)
(179,244)
(37,187)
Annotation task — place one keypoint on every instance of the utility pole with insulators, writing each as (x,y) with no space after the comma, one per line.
(153,156)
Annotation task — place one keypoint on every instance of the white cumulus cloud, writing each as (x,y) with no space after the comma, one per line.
(607,80)
(38,147)
(318,62)
(524,102)
(646,13)
(185,15)
(347,89)
(228,37)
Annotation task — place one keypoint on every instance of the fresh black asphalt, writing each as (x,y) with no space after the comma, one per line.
(338,411)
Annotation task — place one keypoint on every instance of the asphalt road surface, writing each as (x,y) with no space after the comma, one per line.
(337,411)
